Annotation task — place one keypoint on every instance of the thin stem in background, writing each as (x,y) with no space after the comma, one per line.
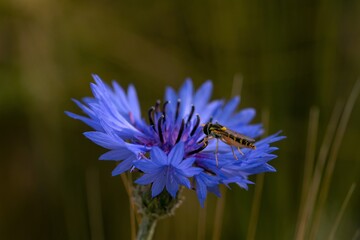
(132,209)
(94,204)
(334,154)
(255,208)
(341,212)
(237,85)
(147,228)
(125,182)
(219,212)
(310,151)
(356,235)
(310,156)
(202,222)
(311,197)
(134,215)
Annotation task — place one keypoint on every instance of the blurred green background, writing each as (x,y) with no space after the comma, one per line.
(290,55)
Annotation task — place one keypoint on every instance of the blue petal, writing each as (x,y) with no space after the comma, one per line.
(252,131)
(120,96)
(244,183)
(209,111)
(104,140)
(122,167)
(244,116)
(201,190)
(97,92)
(97,79)
(205,183)
(185,95)
(134,102)
(202,95)
(158,156)
(118,154)
(85,109)
(240,181)
(272,138)
(183,180)
(176,154)
(158,185)
(172,186)
(192,171)
(229,109)
(188,162)
(146,179)
(147,166)
(95,125)
(215,190)
(171,96)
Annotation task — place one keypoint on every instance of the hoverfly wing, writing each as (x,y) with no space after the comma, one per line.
(239,135)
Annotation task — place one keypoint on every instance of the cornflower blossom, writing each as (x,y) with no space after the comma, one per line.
(168,149)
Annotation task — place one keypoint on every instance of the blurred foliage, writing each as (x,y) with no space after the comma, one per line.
(291,55)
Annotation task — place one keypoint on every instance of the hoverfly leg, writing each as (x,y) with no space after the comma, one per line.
(232,149)
(240,151)
(216,152)
(205,142)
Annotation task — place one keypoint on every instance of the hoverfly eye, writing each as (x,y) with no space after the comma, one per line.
(206,129)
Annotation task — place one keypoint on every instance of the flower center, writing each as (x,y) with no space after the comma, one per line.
(170,128)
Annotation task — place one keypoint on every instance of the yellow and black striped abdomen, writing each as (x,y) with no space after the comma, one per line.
(237,141)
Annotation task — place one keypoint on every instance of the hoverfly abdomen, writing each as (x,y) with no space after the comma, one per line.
(246,143)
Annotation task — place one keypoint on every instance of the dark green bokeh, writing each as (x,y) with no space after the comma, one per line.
(291,55)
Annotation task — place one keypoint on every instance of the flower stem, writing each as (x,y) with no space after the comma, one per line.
(147,228)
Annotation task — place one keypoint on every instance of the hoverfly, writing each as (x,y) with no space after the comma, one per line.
(230,137)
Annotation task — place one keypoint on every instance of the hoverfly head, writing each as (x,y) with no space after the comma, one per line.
(206,128)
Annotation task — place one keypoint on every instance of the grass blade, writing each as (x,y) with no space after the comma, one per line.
(341,212)
(202,222)
(333,155)
(94,204)
(219,212)
(255,208)
(128,187)
(312,194)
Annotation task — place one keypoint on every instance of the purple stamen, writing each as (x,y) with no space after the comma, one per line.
(160,121)
(164,109)
(177,109)
(191,114)
(151,116)
(157,105)
(205,143)
(196,125)
(180,131)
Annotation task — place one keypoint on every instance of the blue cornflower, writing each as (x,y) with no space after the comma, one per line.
(169,149)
